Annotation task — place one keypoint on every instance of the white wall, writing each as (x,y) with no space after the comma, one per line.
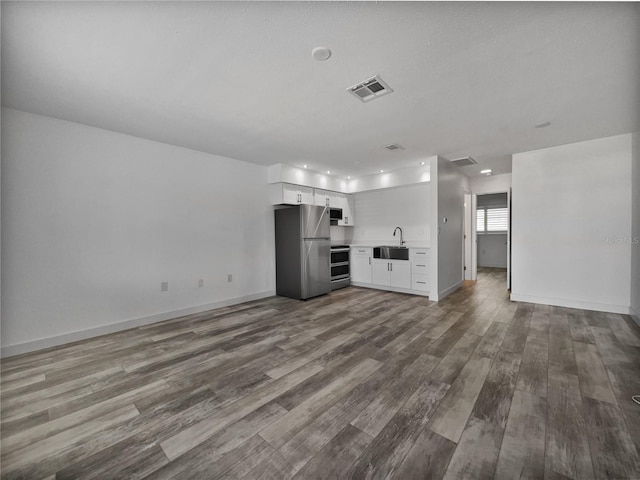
(492,250)
(393,178)
(94,221)
(490,183)
(571,225)
(448,187)
(635,245)
(341,235)
(377,213)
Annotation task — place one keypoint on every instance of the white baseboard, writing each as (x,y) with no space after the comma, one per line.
(634,315)
(390,289)
(42,343)
(564,302)
(450,290)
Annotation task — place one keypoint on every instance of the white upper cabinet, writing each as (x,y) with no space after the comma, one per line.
(345,202)
(325,198)
(290,194)
(286,193)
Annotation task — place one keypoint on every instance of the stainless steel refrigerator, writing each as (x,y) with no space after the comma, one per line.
(302,251)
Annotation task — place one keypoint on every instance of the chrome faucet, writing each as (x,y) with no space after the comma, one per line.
(402,242)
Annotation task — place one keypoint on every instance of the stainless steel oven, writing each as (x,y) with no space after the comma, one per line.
(340,271)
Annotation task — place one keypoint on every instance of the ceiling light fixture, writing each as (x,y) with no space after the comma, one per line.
(329,172)
(321,53)
(486,172)
(421,163)
(348,177)
(306,166)
(381,171)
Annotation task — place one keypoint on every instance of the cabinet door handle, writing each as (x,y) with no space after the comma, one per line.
(346,220)
(369,260)
(391,265)
(420,265)
(424,283)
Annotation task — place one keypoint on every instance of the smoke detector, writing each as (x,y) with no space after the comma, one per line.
(370,89)
(464,162)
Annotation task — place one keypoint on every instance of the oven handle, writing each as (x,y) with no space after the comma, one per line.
(341,264)
(340,277)
(339,250)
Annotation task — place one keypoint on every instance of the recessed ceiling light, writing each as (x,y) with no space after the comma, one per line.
(486,172)
(421,163)
(381,171)
(348,177)
(543,124)
(306,166)
(329,171)
(321,53)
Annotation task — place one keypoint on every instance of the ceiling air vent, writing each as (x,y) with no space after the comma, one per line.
(464,162)
(370,89)
(394,147)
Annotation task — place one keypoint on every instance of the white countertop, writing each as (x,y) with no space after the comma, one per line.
(379,244)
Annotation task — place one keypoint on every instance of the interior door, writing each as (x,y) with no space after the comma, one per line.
(509,240)
(468,257)
(474,238)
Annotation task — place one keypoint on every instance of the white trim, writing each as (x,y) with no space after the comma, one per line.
(42,343)
(563,302)
(634,315)
(451,289)
(391,289)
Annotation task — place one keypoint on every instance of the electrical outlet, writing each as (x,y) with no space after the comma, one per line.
(164,286)
(200,283)
(229,278)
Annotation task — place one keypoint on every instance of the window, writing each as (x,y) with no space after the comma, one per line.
(480,220)
(490,219)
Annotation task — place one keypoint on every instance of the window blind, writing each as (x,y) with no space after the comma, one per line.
(492,219)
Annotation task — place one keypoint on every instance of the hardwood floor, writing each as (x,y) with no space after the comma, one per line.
(356,384)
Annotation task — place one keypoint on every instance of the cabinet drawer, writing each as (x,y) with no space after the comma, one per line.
(420,282)
(364,251)
(417,253)
(420,266)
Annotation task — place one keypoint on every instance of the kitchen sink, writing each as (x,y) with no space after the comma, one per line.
(391,252)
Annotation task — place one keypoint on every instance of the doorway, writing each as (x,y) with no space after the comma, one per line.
(490,234)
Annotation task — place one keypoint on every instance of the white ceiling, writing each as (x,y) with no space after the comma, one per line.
(238,79)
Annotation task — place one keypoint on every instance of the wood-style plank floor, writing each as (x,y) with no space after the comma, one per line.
(356,384)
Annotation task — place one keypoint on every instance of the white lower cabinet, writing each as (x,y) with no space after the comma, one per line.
(420,268)
(380,272)
(420,282)
(407,276)
(392,273)
(360,264)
